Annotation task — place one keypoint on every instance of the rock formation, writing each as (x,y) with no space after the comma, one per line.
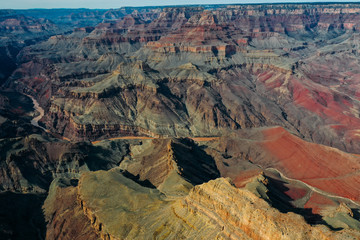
(213,210)
(214,122)
(207,71)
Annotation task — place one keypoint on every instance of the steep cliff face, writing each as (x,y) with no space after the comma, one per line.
(263,95)
(214,210)
(17,31)
(151,194)
(190,71)
(65,218)
(31,158)
(30,164)
(163,163)
(21,28)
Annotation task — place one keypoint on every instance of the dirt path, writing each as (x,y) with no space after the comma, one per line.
(124,138)
(196,139)
(204,139)
(313,188)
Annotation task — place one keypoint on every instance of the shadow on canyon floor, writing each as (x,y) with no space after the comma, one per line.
(282,202)
(21,216)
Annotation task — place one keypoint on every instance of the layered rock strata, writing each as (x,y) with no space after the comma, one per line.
(214,210)
(191,72)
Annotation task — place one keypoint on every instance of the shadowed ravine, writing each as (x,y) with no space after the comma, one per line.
(181,122)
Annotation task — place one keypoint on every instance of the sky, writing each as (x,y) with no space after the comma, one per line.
(105,4)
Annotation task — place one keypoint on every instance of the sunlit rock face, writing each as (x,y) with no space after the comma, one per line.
(215,210)
(209,122)
(195,71)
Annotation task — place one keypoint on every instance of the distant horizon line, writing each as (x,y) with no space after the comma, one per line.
(189,5)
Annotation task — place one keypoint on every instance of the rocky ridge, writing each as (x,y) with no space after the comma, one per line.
(227,74)
(186,217)
(251,66)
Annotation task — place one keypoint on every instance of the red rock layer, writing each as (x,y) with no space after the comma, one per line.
(322,167)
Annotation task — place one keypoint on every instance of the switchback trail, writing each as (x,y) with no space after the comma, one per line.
(196,139)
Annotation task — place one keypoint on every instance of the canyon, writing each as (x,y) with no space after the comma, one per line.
(181,122)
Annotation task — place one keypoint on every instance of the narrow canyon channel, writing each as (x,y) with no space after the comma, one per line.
(35,120)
